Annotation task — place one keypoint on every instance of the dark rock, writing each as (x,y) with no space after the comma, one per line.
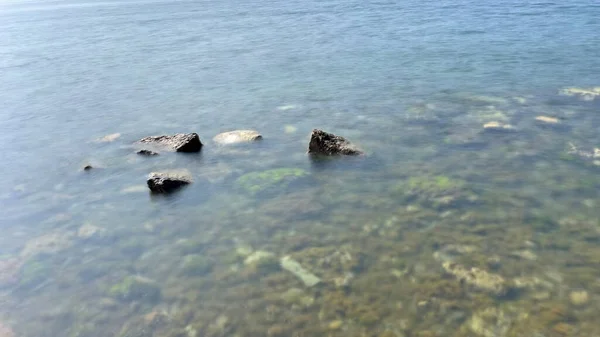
(328,144)
(147,153)
(166,182)
(181,142)
(87,167)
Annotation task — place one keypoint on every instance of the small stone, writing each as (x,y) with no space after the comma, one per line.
(335,325)
(237,136)
(147,153)
(87,167)
(328,144)
(167,182)
(497,126)
(579,297)
(110,138)
(547,119)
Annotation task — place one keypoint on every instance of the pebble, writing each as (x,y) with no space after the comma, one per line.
(579,297)
(547,119)
(497,126)
(335,325)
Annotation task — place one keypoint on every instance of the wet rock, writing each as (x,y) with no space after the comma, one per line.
(110,138)
(135,288)
(583,94)
(181,142)
(257,182)
(9,271)
(328,144)
(498,127)
(547,120)
(295,268)
(237,136)
(87,167)
(169,181)
(147,153)
(48,244)
(579,297)
(477,278)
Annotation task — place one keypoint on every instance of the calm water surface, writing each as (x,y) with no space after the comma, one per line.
(444,228)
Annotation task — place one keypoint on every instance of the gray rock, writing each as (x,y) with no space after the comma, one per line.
(147,153)
(237,136)
(328,144)
(181,142)
(166,182)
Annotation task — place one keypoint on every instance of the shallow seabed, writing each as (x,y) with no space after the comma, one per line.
(469,215)
(480,233)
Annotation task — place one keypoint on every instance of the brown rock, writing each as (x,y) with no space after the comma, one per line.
(328,144)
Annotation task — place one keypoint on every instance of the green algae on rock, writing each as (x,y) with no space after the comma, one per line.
(257,182)
(196,265)
(135,288)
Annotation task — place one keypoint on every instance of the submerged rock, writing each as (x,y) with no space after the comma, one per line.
(237,136)
(477,278)
(133,288)
(579,297)
(256,182)
(490,322)
(181,142)
(147,153)
(498,127)
(584,94)
(547,120)
(328,144)
(110,138)
(167,182)
(48,244)
(295,268)
(89,231)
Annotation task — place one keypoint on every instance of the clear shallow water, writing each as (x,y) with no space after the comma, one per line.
(412,83)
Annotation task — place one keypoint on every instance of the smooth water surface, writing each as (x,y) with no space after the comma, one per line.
(443,228)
